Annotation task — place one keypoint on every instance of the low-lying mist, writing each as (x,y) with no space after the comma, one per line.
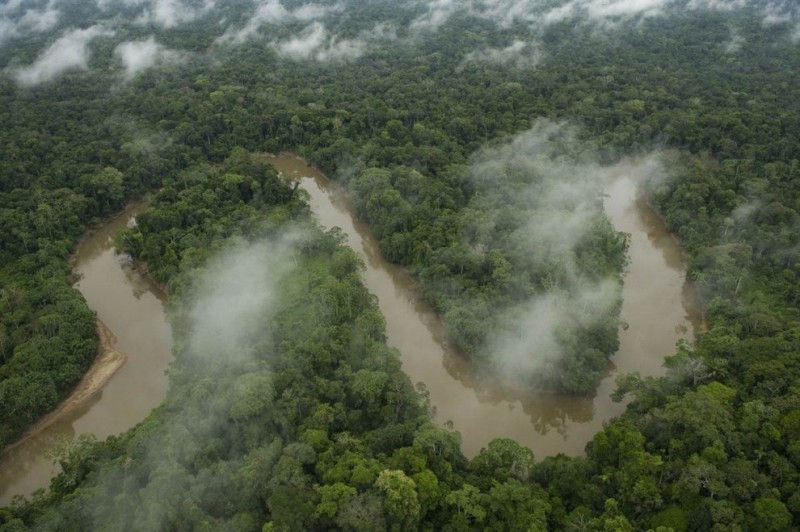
(235,296)
(335,31)
(540,198)
(223,351)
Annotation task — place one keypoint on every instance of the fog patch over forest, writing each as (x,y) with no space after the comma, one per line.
(314,42)
(314,27)
(137,56)
(783,12)
(226,350)
(235,296)
(68,52)
(274,12)
(170,13)
(538,14)
(31,20)
(544,190)
(519,53)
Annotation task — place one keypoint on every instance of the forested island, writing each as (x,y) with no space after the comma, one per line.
(472,138)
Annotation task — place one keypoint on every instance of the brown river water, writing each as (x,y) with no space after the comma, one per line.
(655,308)
(480,409)
(132,307)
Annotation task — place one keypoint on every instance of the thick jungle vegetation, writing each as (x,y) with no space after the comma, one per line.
(312,425)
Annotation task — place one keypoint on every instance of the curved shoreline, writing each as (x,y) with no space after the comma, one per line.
(126,377)
(479,406)
(690,290)
(107,362)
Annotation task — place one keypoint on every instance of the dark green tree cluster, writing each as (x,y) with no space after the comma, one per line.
(713,445)
(482,261)
(315,428)
(63,166)
(202,207)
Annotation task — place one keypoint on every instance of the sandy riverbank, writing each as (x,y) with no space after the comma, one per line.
(108,361)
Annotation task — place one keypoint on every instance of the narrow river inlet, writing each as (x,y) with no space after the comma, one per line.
(655,308)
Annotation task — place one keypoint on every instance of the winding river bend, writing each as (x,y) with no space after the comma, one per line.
(481,410)
(132,307)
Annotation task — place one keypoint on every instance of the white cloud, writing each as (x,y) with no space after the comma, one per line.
(274,12)
(735,42)
(171,13)
(305,44)
(439,11)
(315,43)
(269,12)
(551,183)
(235,293)
(621,8)
(716,5)
(68,52)
(9,6)
(531,344)
(538,13)
(30,21)
(560,13)
(783,13)
(105,4)
(341,49)
(40,20)
(519,53)
(137,56)
(381,32)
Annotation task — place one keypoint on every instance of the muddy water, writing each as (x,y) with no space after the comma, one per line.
(548,423)
(132,307)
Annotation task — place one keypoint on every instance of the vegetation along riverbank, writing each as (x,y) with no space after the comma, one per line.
(473,138)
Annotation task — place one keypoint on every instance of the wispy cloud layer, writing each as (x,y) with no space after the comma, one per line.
(15,22)
(227,349)
(137,56)
(518,53)
(237,290)
(68,52)
(314,42)
(783,12)
(274,12)
(538,13)
(171,13)
(542,189)
(314,26)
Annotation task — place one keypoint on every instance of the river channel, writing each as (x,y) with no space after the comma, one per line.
(132,307)
(481,410)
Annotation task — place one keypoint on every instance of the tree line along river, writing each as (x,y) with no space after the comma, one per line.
(657,307)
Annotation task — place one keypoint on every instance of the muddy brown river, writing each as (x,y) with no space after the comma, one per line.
(654,307)
(132,307)
(479,409)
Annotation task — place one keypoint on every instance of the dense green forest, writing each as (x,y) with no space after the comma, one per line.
(311,424)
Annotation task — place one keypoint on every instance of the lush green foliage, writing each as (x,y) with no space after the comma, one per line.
(325,431)
(59,173)
(316,426)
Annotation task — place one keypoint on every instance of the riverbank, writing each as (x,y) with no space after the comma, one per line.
(126,380)
(108,361)
(691,298)
(481,408)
